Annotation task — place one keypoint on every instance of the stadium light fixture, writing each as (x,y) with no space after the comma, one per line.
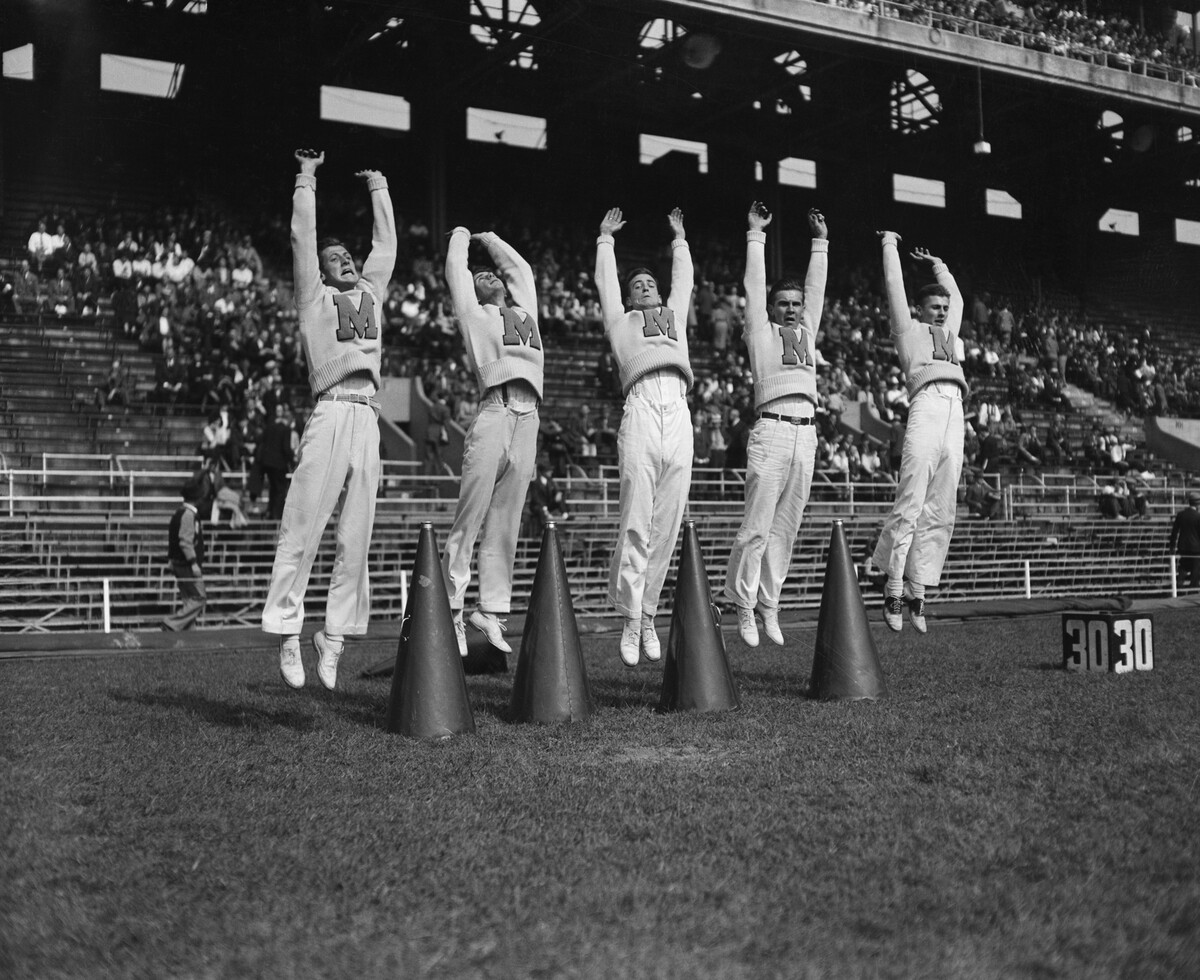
(982,147)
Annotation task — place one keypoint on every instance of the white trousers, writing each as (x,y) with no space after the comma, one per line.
(498,465)
(916,535)
(779,471)
(338,463)
(654,450)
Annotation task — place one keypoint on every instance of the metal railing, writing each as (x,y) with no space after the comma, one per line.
(1040,42)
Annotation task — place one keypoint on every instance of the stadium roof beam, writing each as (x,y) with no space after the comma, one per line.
(378,20)
(500,57)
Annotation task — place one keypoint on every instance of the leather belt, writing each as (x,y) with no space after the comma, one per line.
(502,390)
(348,396)
(793,419)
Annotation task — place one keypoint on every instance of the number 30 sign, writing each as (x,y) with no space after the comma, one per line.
(1108,641)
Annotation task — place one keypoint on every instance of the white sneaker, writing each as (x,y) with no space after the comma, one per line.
(770,618)
(893,612)
(291,666)
(747,626)
(460,633)
(491,627)
(327,659)
(631,642)
(650,645)
(916,614)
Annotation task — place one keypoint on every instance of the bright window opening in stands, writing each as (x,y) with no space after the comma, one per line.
(653,147)
(1118,222)
(351,105)
(798,172)
(389,32)
(1187,232)
(509,128)
(794,64)
(919,190)
(1183,134)
(495,22)
(18,63)
(659,33)
(915,103)
(1113,124)
(140,76)
(1002,204)
(189,7)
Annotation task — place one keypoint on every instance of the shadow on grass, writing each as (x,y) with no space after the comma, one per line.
(298,714)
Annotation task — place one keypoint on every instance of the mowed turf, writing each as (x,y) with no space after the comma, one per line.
(177,816)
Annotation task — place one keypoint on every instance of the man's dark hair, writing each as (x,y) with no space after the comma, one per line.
(641,270)
(782,286)
(329,242)
(933,289)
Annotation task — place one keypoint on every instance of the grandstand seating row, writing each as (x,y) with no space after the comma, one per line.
(54,565)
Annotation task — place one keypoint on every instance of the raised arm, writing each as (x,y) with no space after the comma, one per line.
(899,312)
(513,269)
(458,273)
(755,279)
(683,277)
(818,269)
(306,271)
(941,272)
(607,284)
(377,269)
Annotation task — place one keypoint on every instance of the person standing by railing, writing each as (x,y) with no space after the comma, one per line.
(781,337)
(1185,539)
(185,552)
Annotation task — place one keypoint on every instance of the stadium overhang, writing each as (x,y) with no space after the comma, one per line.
(885,33)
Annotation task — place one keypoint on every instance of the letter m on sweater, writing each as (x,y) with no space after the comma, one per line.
(520,328)
(659,322)
(943,346)
(795,350)
(354,322)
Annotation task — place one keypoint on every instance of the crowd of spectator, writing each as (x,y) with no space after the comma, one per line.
(1099,34)
(191,287)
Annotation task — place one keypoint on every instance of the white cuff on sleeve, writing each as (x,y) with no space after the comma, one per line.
(605,240)
(820,244)
(306,180)
(679,243)
(756,236)
(891,238)
(377,183)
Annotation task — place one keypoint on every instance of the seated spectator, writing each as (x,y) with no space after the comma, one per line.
(580,435)
(993,450)
(1058,447)
(545,499)
(115,390)
(555,444)
(983,500)
(28,293)
(1110,504)
(61,294)
(1029,446)
(40,249)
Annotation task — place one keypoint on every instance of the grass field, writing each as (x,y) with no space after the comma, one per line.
(174,816)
